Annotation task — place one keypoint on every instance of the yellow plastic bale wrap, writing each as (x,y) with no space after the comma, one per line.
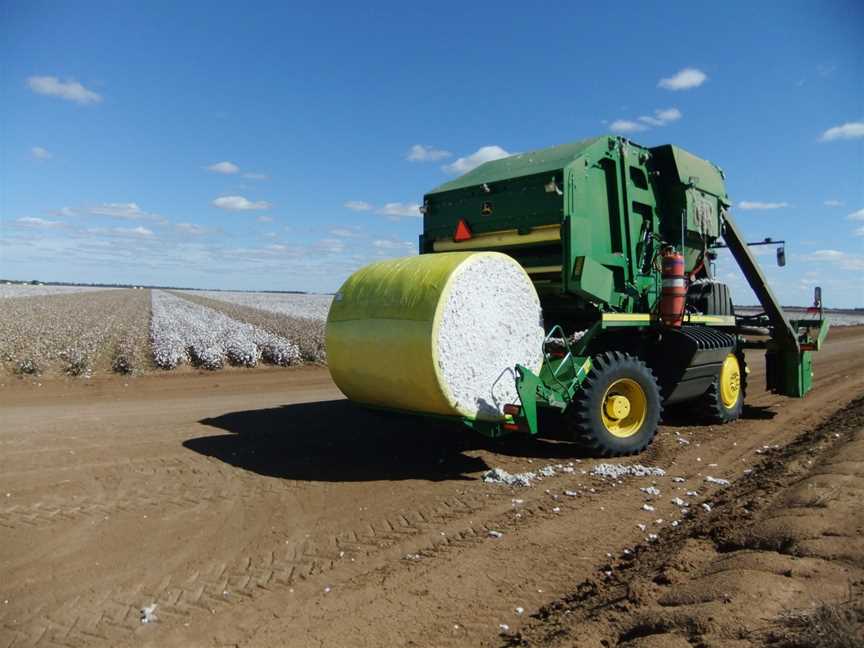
(397,327)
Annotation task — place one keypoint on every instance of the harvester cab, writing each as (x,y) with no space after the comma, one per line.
(616,239)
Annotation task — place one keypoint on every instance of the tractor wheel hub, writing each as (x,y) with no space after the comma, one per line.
(617,407)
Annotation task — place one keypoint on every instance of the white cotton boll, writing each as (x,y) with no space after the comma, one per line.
(208,356)
(616,471)
(280,352)
(242,352)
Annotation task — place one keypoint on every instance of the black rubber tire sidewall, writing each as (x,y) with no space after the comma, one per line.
(590,428)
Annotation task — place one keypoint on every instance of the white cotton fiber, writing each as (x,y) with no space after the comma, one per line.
(490,320)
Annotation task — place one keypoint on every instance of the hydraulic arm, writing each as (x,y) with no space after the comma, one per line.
(781,330)
(788,359)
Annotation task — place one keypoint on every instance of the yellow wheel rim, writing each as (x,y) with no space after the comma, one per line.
(624,408)
(730,381)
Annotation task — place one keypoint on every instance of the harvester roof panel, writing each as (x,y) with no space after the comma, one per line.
(553,158)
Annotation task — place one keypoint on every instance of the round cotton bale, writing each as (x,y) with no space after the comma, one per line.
(436,333)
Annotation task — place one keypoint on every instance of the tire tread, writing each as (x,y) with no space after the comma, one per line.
(581,416)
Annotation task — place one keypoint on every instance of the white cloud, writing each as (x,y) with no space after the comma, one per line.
(833,203)
(626,126)
(239,203)
(331,246)
(856,215)
(225,168)
(191,228)
(69,90)
(389,244)
(264,219)
(124,211)
(358,205)
(849,130)
(397,210)
(134,231)
(118,211)
(667,115)
(346,232)
(420,153)
(844,260)
(662,116)
(39,222)
(859,231)
(385,244)
(40,153)
(684,80)
(755,204)
(478,157)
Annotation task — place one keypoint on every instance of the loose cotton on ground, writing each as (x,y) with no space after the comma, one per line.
(438,333)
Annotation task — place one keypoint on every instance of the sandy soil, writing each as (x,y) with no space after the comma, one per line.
(258,508)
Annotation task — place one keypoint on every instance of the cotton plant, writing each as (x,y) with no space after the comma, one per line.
(182,331)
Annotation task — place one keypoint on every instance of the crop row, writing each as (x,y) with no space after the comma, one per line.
(295,305)
(75,333)
(182,331)
(307,333)
(38,290)
(125,331)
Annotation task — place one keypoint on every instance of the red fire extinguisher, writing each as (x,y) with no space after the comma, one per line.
(674,293)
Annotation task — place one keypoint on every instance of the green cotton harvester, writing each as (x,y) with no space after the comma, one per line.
(612,244)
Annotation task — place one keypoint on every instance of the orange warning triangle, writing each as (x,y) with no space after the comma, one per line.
(463,232)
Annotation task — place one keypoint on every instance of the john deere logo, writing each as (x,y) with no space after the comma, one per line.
(486,209)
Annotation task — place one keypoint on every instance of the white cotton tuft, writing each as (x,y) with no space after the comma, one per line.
(490,322)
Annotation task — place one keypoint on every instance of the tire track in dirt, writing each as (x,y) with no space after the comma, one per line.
(115,615)
(151,487)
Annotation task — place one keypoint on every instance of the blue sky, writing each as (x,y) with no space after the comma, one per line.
(267,146)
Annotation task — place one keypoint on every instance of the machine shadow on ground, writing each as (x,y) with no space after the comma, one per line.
(339,441)
(685,415)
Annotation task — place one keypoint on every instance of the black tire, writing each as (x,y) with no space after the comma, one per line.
(710,298)
(712,403)
(611,371)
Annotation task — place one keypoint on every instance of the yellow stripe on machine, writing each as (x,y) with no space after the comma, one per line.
(502,238)
(543,269)
(716,320)
(626,317)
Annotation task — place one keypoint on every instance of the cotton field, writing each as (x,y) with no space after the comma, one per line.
(75,333)
(29,290)
(182,331)
(306,332)
(304,306)
(129,331)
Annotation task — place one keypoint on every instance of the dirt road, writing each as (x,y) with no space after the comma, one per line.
(258,508)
